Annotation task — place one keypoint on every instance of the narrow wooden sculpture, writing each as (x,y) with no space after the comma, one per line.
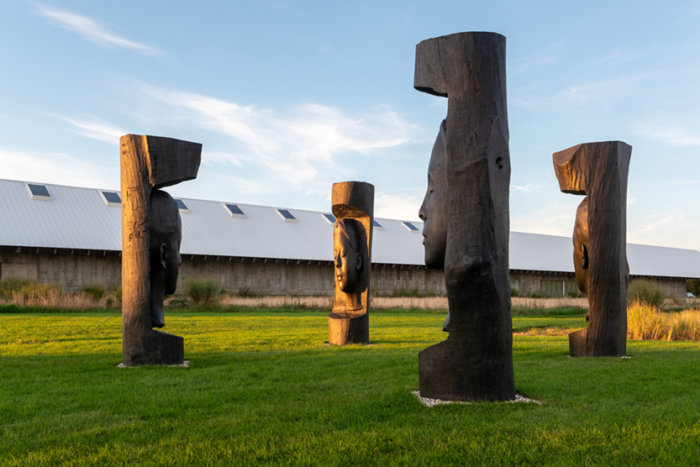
(353,207)
(465,214)
(599,171)
(148,163)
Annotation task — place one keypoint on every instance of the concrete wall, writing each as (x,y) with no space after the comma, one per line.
(74,269)
(261,277)
(280,277)
(69,269)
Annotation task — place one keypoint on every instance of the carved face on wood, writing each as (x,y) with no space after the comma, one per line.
(433,211)
(581,260)
(166,236)
(350,254)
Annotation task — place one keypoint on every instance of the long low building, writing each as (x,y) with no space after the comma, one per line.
(72,237)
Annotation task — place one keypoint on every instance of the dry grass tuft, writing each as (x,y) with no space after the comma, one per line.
(27,293)
(646,322)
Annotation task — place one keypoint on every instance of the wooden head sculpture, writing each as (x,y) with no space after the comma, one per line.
(353,207)
(465,214)
(599,171)
(164,251)
(151,234)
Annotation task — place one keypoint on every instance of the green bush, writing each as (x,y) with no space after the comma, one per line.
(645,292)
(203,292)
(95,291)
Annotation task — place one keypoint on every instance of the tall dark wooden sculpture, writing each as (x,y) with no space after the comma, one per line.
(150,243)
(353,207)
(465,214)
(599,171)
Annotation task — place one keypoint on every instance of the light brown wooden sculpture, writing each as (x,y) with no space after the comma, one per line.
(353,207)
(148,163)
(465,214)
(599,171)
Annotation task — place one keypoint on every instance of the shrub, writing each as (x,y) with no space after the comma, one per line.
(203,292)
(693,286)
(645,292)
(401,292)
(247,292)
(95,291)
(117,292)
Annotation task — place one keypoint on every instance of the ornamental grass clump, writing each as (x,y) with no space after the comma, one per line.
(646,322)
(29,293)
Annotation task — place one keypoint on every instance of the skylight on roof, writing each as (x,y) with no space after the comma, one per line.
(330,218)
(376,224)
(38,191)
(234,210)
(286,215)
(181,205)
(111,198)
(411,227)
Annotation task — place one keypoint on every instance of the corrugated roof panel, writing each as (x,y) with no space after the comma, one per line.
(74,218)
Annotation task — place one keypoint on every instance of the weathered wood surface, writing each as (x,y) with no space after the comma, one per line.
(350,324)
(475,362)
(147,162)
(599,171)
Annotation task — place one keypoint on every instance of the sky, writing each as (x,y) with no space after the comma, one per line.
(288,97)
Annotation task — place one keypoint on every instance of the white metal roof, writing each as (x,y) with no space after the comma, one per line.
(79,218)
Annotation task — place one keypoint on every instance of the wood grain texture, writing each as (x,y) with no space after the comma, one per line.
(352,200)
(600,171)
(475,362)
(147,162)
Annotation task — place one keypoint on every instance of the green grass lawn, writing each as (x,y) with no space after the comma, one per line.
(263,388)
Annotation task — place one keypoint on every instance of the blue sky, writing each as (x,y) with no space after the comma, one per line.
(288,97)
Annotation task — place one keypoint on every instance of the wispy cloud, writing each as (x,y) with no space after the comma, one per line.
(526,188)
(58,168)
(536,60)
(94,129)
(396,207)
(603,92)
(683,182)
(552,218)
(673,135)
(294,146)
(92,30)
(653,224)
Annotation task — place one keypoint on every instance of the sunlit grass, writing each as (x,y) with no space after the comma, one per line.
(264,388)
(646,321)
